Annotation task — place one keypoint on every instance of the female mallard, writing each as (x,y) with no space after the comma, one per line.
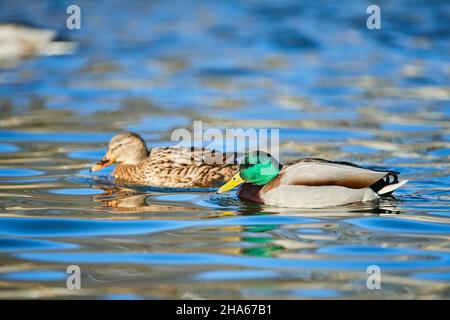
(309,182)
(167,166)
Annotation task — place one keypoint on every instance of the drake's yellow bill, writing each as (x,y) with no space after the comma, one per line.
(234,182)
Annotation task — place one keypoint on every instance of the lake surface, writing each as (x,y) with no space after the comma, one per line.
(335,89)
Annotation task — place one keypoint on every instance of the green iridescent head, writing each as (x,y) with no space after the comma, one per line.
(258,168)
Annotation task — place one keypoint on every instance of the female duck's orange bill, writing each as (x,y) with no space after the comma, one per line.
(102,163)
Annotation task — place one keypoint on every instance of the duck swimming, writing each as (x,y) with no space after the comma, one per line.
(176,167)
(309,182)
(19,42)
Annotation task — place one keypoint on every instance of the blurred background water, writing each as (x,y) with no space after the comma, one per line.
(311,68)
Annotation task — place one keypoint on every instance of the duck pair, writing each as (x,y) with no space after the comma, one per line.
(303,183)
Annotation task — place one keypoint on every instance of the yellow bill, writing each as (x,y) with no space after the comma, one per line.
(232,183)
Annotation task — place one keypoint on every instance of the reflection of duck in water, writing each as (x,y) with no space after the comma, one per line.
(166,166)
(126,201)
(309,182)
(123,203)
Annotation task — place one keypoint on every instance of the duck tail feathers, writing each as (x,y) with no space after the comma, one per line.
(387,190)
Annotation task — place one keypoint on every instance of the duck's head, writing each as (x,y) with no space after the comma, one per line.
(126,147)
(257,168)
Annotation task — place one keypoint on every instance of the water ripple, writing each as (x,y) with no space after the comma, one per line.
(51,227)
(192,259)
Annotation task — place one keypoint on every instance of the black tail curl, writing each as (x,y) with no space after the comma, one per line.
(390,178)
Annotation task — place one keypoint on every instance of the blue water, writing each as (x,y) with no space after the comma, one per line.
(335,89)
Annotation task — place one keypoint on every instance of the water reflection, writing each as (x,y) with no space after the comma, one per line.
(126,201)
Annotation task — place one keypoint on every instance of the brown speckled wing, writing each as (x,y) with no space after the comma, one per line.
(182,156)
(179,167)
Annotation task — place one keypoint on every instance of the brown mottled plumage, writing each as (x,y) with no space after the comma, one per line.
(166,166)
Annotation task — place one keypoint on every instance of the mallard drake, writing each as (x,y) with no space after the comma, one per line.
(176,167)
(309,182)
